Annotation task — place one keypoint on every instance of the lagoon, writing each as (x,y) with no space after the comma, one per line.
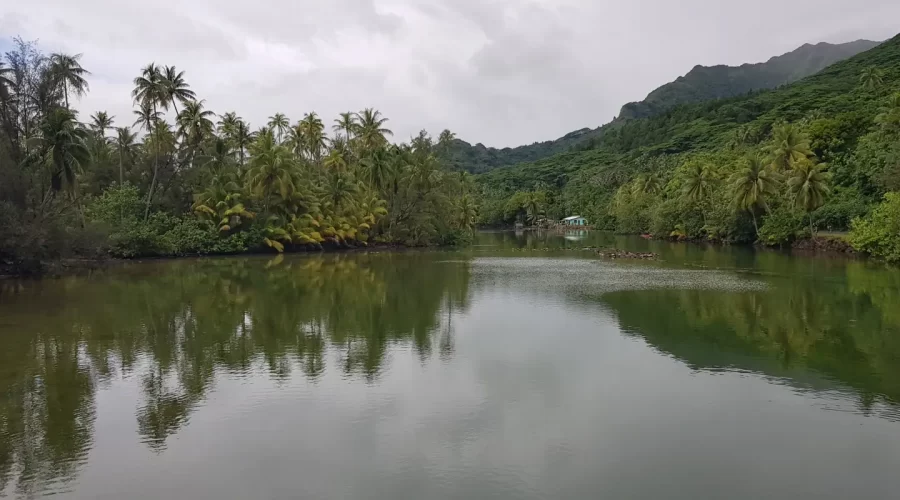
(524,367)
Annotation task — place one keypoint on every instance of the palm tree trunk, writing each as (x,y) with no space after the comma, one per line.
(155,172)
(755,225)
(121,175)
(812,233)
(66,93)
(152,187)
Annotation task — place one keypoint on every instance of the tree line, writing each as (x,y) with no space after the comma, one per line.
(176,178)
(772,167)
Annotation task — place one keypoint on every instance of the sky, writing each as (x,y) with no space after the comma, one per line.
(498,72)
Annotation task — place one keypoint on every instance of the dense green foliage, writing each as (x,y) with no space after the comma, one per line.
(879,233)
(700,84)
(807,156)
(199,183)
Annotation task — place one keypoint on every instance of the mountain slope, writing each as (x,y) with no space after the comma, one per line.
(705,83)
(700,84)
(831,107)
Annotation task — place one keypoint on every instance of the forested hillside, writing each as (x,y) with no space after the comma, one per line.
(700,84)
(773,166)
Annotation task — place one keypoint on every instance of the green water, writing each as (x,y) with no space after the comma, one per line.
(521,368)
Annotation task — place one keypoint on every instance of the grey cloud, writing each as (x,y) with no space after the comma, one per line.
(500,72)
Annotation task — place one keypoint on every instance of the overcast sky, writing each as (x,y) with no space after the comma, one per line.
(500,72)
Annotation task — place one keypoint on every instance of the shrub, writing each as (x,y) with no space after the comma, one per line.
(782,226)
(878,234)
(844,206)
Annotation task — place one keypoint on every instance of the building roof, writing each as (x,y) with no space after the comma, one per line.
(573,217)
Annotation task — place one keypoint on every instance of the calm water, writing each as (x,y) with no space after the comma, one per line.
(514,369)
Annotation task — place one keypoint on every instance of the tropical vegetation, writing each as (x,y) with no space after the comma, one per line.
(177,178)
(769,166)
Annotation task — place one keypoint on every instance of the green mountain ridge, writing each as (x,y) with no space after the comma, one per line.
(852,129)
(704,83)
(700,84)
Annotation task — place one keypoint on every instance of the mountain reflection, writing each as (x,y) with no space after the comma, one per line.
(175,326)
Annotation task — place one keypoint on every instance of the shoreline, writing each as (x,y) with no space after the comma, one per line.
(73,266)
(820,246)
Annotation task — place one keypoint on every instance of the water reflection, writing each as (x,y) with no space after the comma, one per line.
(173,329)
(173,326)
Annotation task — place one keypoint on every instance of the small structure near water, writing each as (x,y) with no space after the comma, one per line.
(575,220)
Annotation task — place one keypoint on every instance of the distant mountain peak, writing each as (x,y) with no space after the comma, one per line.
(701,83)
(704,83)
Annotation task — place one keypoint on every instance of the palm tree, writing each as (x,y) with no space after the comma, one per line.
(467,212)
(872,78)
(150,91)
(335,161)
(752,186)
(280,124)
(150,88)
(236,132)
(698,184)
(808,185)
(217,157)
(371,128)
(271,169)
(195,123)
(889,115)
(69,74)
(146,117)
(647,184)
(227,124)
(380,168)
(312,132)
(64,144)
(533,203)
(789,145)
(100,121)
(176,89)
(346,123)
(125,145)
(242,139)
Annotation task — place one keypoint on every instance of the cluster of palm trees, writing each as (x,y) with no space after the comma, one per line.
(296,182)
(786,167)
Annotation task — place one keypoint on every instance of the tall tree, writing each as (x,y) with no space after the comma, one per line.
(789,145)
(176,89)
(70,75)
(312,132)
(872,78)
(752,186)
(808,186)
(195,123)
(100,121)
(125,147)
(371,128)
(63,142)
(271,169)
(699,181)
(347,124)
(150,92)
(279,124)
